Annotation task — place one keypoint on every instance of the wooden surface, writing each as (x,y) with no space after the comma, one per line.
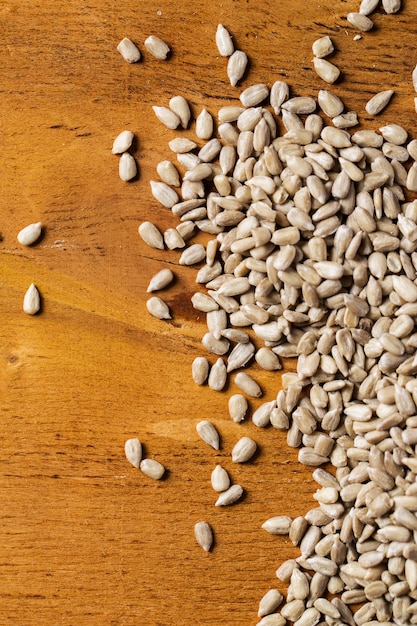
(84,538)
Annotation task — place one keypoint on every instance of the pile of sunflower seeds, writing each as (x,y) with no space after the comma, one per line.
(313,255)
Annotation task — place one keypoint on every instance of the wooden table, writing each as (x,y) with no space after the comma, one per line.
(84,537)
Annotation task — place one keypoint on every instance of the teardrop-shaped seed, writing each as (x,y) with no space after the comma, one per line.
(243,450)
(208,434)
(204,535)
(133,451)
(31,301)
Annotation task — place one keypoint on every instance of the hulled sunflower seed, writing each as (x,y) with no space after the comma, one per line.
(220,480)
(30,234)
(204,535)
(151,235)
(224,41)
(378,102)
(322,47)
(279,94)
(254,95)
(169,173)
(160,280)
(180,106)
(248,385)
(391,6)
(279,525)
(152,468)
(236,66)
(326,70)
(123,142)
(238,407)
(167,117)
(200,370)
(158,308)
(204,125)
(32,300)
(162,192)
(193,254)
(157,47)
(244,450)
(208,434)
(133,451)
(182,145)
(127,167)
(329,103)
(129,51)
(270,602)
(230,496)
(218,375)
(360,21)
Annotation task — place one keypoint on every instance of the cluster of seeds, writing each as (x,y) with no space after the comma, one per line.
(152,468)
(28,236)
(313,256)
(127,164)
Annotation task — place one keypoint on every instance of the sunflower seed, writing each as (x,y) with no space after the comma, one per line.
(360,21)
(204,125)
(157,47)
(32,300)
(123,142)
(378,102)
(279,525)
(204,535)
(238,407)
(236,66)
(160,280)
(133,451)
(30,234)
(248,385)
(158,308)
(243,450)
(220,480)
(167,117)
(127,167)
(323,47)
(151,235)
(128,50)
(270,602)
(230,496)
(224,41)
(326,70)
(153,469)
(208,434)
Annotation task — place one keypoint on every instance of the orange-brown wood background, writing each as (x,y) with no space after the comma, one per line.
(84,537)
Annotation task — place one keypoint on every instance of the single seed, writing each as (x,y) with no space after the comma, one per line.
(248,385)
(152,468)
(208,434)
(127,167)
(230,496)
(323,47)
(378,102)
(158,308)
(32,301)
(243,450)
(279,525)
(157,47)
(133,451)
(123,142)
(326,70)
(30,234)
(160,280)
(167,117)
(360,21)
(204,125)
(200,370)
(220,480)
(238,407)
(224,41)
(128,50)
(236,66)
(204,535)
(270,602)
(151,235)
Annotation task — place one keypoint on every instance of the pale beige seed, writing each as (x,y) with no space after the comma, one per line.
(293,610)
(204,535)
(368,6)
(167,117)
(157,47)
(240,356)
(329,103)
(204,125)
(322,47)
(169,173)
(394,133)
(180,106)
(193,254)
(162,279)
(310,617)
(391,6)
(220,480)
(243,450)
(208,434)
(236,66)
(151,235)
(32,301)
(360,22)
(224,41)
(279,94)
(158,308)
(198,172)
(200,370)
(248,385)
(123,142)
(412,178)
(218,375)
(238,407)
(127,167)
(133,451)
(128,50)
(182,145)
(152,468)
(30,234)
(378,102)
(254,95)
(162,192)
(414,77)
(326,71)
(346,120)
(230,496)
(274,619)
(270,602)
(173,239)
(279,525)
(267,359)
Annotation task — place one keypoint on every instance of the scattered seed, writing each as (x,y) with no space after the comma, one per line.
(208,434)
(152,468)
(230,496)
(248,385)
(279,525)
(243,450)
(326,70)
(151,235)
(158,308)
(236,66)
(204,535)
(30,234)
(224,41)
(123,142)
(220,480)
(127,167)
(133,451)
(323,47)
(128,50)
(157,47)
(378,102)
(167,117)
(160,280)
(360,21)
(32,301)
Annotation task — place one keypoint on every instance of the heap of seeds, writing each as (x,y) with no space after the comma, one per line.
(313,256)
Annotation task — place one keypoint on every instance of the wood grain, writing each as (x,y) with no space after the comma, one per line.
(84,538)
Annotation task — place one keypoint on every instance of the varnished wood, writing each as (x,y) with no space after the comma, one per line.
(84,538)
